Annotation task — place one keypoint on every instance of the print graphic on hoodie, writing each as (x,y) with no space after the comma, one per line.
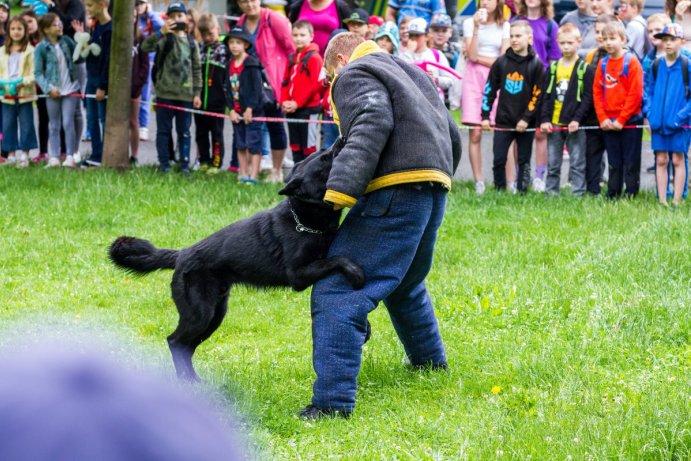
(514,83)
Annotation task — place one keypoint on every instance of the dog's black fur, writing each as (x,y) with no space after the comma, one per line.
(284,246)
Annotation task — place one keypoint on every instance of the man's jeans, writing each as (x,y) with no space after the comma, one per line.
(391,234)
(575,143)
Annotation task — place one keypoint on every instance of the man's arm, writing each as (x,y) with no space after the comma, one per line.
(366,118)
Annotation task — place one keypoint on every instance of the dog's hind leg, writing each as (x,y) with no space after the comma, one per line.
(201,303)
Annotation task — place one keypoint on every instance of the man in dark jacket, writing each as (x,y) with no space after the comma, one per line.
(398,151)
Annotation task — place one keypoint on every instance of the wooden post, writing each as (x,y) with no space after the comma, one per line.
(117,132)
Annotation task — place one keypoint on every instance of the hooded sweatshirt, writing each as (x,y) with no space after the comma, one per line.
(215,58)
(665,102)
(518,79)
(301,83)
(395,127)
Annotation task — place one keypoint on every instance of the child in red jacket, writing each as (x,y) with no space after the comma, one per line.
(617,97)
(301,91)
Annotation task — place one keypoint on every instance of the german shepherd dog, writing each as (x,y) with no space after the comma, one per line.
(283,246)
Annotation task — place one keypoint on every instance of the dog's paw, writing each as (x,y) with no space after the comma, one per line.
(354,274)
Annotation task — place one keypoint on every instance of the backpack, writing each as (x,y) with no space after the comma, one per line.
(684,72)
(581,69)
(270,103)
(303,61)
(163,54)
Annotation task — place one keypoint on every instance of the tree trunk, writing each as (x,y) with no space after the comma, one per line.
(116,142)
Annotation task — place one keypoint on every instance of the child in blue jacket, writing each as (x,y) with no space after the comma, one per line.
(667,105)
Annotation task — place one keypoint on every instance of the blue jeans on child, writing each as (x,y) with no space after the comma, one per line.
(95,122)
(164,131)
(18,127)
(329,132)
(575,143)
(391,234)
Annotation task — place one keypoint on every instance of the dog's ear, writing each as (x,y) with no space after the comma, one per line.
(292,187)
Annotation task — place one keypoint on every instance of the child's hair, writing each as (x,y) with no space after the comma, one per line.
(659,17)
(638,4)
(569,29)
(606,19)
(499,13)
(207,22)
(343,43)
(546,8)
(614,28)
(302,24)
(38,35)
(9,43)
(524,24)
(46,21)
(405,20)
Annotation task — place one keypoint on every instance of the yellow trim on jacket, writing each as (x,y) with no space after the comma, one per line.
(27,92)
(363,49)
(341,200)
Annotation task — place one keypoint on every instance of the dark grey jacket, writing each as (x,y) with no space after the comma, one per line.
(396,128)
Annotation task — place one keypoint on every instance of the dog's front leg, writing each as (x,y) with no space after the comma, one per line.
(302,277)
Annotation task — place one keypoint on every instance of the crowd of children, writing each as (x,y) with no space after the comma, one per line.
(580,89)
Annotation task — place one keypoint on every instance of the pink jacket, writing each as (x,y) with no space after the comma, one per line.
(274,44)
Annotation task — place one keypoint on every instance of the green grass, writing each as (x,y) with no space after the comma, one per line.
(566,321)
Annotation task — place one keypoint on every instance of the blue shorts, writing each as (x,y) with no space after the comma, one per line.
(675,142)
(248,137)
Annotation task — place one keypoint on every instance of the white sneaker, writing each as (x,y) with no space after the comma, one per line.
(52,162)
(77,158)
(479,187)
(23,161)
(69,162)
(10,160)
(512,188)
(266,163)
(143,134)
(288,163)
(538,184)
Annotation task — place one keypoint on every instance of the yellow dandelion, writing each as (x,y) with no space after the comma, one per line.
(496,389)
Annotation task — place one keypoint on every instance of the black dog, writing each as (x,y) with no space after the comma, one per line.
(284,246)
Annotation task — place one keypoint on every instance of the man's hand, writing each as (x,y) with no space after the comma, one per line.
(100,95)
(616,126)
(574,126)
(606,125)
(196,102)
(247,116)
(546,127)
(521,126)
(485,125)
(234,117)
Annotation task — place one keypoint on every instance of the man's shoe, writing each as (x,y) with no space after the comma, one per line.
(313,413)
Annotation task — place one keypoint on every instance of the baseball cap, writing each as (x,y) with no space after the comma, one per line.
(5,4)
(440,20)
(242,34)
(358,15)
(376,20)
(140,2)
(673,30)
(176,7)
(417,26)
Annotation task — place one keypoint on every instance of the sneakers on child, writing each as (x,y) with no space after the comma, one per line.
(512,188)
(53,162)
(23,161)
(10,160)
(143,133)
(77,158)
(39,158)
(69,162)
(266,163)
(479,187)
(538,184)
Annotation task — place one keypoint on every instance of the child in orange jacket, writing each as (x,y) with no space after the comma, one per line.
(301,91)
(617,97)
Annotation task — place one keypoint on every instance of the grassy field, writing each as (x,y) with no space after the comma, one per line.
(566,321)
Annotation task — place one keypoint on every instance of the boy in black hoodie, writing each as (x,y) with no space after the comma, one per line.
(567,100)
(518,76)
(215,57)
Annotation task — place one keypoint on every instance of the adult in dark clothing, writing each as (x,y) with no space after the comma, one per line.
(68,10)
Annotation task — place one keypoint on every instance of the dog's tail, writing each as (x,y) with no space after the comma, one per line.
(140,256)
